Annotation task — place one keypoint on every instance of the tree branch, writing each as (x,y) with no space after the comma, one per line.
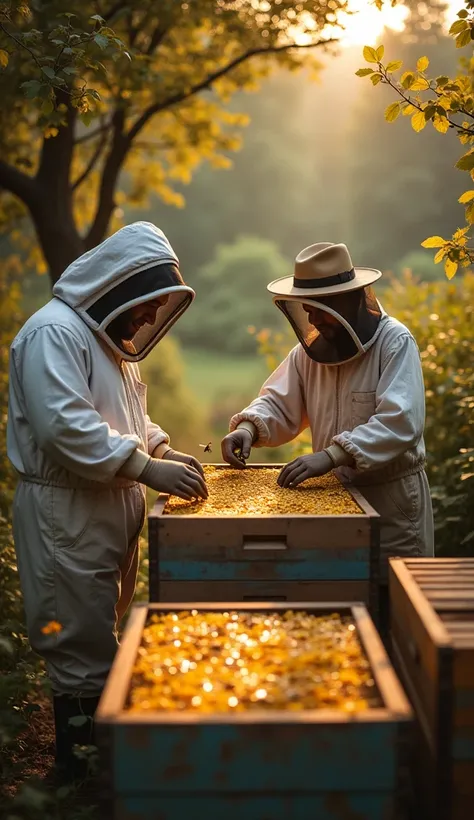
(156,39)
(92,162)
(113,163)
(86,137)
(18,183)
(210,79)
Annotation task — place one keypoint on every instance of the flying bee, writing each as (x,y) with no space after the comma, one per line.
(207,447)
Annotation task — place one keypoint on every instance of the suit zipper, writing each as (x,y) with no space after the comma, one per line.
(135,425)
(338,379)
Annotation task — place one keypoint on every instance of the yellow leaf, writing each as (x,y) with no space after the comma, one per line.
(3,58)
(450,268)
(408,110)
(370,55)
(392,111)
(470,213)
(467,196)
(407,79)
(440,256)
(440,123)
(434,242)
(364,72)
(464,38)
(394,65)
(420,84)
(418,121)
(380,52)
(422,64)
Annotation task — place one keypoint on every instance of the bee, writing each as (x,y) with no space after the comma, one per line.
(207,447)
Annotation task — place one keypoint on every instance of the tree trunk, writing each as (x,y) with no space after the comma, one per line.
(57,235)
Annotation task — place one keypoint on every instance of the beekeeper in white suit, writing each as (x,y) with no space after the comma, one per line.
(355,380)
(83,446)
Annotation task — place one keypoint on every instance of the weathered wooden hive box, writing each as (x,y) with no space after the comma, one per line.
(432,626)
(244,554)
(261,764)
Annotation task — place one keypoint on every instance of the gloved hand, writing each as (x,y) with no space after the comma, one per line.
(235,444)
(304,467)
(174,478)
(183,458)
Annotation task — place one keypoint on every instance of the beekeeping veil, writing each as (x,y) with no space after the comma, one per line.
(135,265)
(329,303)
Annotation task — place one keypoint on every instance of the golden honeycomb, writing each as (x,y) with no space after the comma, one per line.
(238,661)
(255,491)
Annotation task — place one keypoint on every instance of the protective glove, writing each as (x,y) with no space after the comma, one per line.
(174,478)
(304,467)
(235,444)
(183,458)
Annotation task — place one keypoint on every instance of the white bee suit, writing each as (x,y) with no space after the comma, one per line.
(77,413)
(370,413)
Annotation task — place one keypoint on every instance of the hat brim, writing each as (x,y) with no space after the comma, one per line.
(363,278)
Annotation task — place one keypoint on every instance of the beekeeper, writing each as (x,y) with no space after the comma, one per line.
(355,380)
(83,445)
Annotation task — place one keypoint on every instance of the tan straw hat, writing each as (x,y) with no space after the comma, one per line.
(322,270)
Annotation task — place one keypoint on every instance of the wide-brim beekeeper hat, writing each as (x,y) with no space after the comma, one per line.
(323,269)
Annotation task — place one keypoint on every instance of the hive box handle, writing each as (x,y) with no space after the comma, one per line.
(262,542)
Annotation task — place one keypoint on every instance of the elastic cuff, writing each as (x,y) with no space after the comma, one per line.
(338,455)
(159,452)
(134,466)
(250,427)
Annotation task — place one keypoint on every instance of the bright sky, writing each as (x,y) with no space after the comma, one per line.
(364,27)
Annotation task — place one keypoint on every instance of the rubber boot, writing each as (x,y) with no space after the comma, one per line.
(69,766)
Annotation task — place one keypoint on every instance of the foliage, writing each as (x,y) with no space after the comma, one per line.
(155,116)
(232,296)
(446,102)
(441,317)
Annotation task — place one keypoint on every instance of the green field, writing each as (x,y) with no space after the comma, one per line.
(213,377)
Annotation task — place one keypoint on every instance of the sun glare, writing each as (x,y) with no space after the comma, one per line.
(365,26)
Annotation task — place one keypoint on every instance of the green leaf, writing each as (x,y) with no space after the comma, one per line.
(407,79)
(3,58)
(466,163)
(463,39)
(380,51)
(364,72)
(418,121)
(47,107)
(450,268)
(392,111)
(434,242)
(91,92)
(78,720)
(422,64)
(394,65)
(429,112)
(458,26)
(31,88)
(48,71)
(467,196)
(87,117)
(101,41)
(98,18)
(376,79)
(442,80)
(370,55)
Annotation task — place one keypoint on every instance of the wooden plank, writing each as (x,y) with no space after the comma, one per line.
(313,591)
(403,587)
(326,806)
(463,668)
(392,694)
(118,682)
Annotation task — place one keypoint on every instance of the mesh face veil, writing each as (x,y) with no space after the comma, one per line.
(333,329)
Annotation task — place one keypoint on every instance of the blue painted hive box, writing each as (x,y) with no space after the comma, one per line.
(432,629)
(269,556)
(261,764)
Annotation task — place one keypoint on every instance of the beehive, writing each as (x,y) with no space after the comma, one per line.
(275,762)
(318,542)
(432,625)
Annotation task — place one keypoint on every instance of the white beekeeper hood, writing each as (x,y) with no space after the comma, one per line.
(135,265)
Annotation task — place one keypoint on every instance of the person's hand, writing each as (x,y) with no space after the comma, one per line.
(238,443)
(184,458)
(174,478)
(304,467)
